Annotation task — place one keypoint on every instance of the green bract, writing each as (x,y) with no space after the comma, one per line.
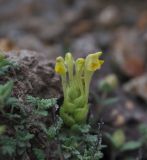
(76,77)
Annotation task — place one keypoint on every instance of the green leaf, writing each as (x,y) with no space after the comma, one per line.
(109,138)
(51,132)
(41,103)
(41,113)
(24,136)
(143,129)
(5,92)
(5,64)
(12,101)
(12,116)
(28,137)
(39,154)
(109,101)
(132,145)
(81,128)
(118,138)
(2,129)
(8,146)
(90,138)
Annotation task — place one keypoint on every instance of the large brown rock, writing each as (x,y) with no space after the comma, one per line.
(129,51)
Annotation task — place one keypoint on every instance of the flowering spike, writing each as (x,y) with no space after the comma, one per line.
(76,86)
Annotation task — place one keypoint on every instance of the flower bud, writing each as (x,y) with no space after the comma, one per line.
(109,83)
(79,64)
(60,66)
(118,138)
(68,58)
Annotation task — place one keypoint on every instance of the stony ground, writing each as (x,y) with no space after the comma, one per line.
(52,27)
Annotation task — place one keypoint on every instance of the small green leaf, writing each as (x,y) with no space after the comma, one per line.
(8,146)
(2,129)
(41,103)
(118,138)
(109,101)
(109,138)
(91,138)
(41,113)
(39,154)
(5,92)
(51,132)
(132,145)
(81,128)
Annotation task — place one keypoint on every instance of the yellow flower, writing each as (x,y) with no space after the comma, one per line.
(92,62)
(60,66)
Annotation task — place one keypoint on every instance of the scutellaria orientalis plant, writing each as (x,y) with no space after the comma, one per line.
(76,77)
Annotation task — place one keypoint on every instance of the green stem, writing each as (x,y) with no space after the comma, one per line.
(87,79)
(79,82)
(70,72)
(63,78)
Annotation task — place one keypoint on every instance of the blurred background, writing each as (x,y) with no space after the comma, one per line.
(116,27)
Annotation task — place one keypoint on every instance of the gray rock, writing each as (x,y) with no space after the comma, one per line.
(109,16)
(33,75)
(137,87)
(84,45)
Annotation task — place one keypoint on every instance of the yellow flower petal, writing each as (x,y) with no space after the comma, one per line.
(60,66)
(101,62)
(92,62)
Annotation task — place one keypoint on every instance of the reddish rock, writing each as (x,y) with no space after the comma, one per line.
(142,21)
(129,51)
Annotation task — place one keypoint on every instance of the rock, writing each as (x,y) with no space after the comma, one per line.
(29,42)
(52,31)
(81,27)
(120,120)
(125,111)
(129,51)
(109,16)
(54,51)
(6,44)
(15,9)
(137,87)
(71,15)
(142,20)
(84,45)
(46,28)
(33,76)
(104,38)
(32,43)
